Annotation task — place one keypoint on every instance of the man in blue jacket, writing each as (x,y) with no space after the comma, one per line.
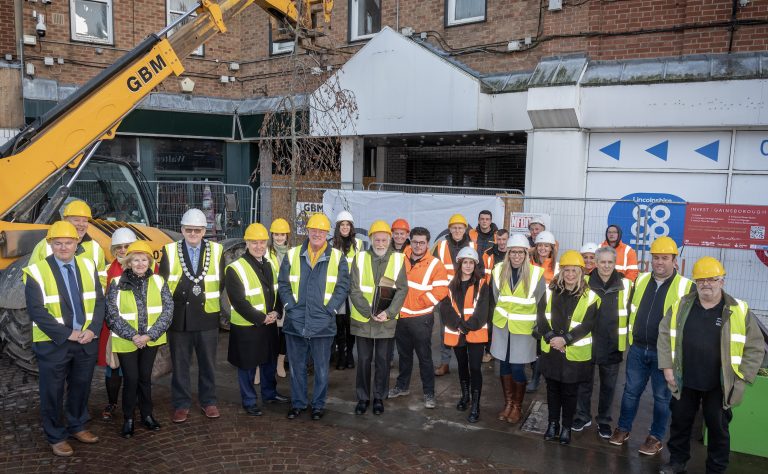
(313,283)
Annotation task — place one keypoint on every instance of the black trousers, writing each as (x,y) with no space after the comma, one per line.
(470,361)
(137,383)
(608,374)
(69,365)
(181,345)
(716,419)
(376,351)
(345,341)
(561,400)
(415,334)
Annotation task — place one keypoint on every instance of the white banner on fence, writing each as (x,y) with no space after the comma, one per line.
(424,210)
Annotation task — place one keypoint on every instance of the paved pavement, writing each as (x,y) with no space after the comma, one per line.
(406,437)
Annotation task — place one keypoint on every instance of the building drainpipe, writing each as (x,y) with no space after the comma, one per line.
(19,12)
(397,16)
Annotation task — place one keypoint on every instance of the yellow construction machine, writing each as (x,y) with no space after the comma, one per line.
(54,160)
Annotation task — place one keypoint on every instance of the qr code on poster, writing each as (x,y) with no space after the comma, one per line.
(757,232)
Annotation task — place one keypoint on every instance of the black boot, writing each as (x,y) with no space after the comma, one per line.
(474,411)
(464,400)
(553,430)
(341,360)
(127,428)
(565,436)
(150,423)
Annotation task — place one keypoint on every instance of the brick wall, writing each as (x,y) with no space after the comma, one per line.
(594,27)
(7,29)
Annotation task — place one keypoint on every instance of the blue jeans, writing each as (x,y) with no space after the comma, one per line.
(267,383)
(643,364)
(517,371)
(298,348)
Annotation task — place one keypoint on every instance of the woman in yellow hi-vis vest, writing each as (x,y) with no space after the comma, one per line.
(464,313)
(566,342)
(139,312)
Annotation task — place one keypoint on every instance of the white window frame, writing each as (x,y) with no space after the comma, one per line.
(450,14)
(200,51)
(90,39)
(282,47)
(354,5)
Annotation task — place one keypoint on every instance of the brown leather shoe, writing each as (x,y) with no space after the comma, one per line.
(63,449)
(651,446)
(86,437)
(619,437)
(442,370)
(180,415)
(211,411)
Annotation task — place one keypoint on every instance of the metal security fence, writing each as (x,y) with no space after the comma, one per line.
(433,189)
(228,208)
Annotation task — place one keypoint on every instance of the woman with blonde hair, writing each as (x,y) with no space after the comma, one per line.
(518,295)
(545,254)
(566,343)
(139,312)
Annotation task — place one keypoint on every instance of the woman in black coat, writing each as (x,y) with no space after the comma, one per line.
(566,342)
(254,343)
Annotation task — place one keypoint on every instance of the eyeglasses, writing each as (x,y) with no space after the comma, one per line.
(121,247)
(416,242)
(708,281)
(193,230)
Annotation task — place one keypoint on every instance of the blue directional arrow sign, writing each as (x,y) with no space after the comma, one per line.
(613,150)
(710,151)
(660,150)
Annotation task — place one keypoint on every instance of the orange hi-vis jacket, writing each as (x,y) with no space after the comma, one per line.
(489,261)
(451,337)
(549,272)
(626,260)
(427,285)
(444,254)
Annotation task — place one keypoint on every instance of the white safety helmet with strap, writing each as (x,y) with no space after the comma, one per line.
(123,236)
(467,252)
(545,237)
(195,218)
(589,247)
(518,240)
(345,216)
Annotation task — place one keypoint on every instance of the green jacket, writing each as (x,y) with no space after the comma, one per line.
(733,385)
(373,329)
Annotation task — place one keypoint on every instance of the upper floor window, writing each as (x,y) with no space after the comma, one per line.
(280,39)
(91,21)
(459,12)
(177,8)
(364,18)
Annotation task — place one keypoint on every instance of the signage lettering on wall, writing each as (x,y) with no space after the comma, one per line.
(644,217)
(305,210)
(726,226)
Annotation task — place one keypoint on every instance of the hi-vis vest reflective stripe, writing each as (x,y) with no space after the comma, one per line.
(42,273)
(126,305)
(516,309)
(679,287)
(212,280)
(488,264)
(581,350)
(368,285)
(738,336)
(624,265)
(444,254)
(294,260)
(451,337)
(427,287)
(623,303)
(353,250)
(91,251)
(254,292)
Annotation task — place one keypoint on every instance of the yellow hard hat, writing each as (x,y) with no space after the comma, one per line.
(63,230)
(457,219)
(77,209)
(320,222)
(379,226)
(707,267)
(664,245)
(573,258)
(140,246)
(280,226)
(256,231)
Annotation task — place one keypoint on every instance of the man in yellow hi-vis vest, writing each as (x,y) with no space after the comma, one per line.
(313,283)
(66,305)
(700,375)
(374,328)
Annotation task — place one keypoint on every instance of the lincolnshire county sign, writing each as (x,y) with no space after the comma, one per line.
(726,226)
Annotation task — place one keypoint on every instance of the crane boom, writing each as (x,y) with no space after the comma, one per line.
(61,137)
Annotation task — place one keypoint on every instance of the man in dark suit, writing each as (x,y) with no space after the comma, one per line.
(66,305)
(193,268)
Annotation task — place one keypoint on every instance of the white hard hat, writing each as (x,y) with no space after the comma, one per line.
(468,252)
(518,240)
(545,237)
(589,247)
(122,236)
(194,217)
(345,216)
(537,220)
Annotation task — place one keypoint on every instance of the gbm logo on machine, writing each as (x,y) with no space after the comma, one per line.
(644,217)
